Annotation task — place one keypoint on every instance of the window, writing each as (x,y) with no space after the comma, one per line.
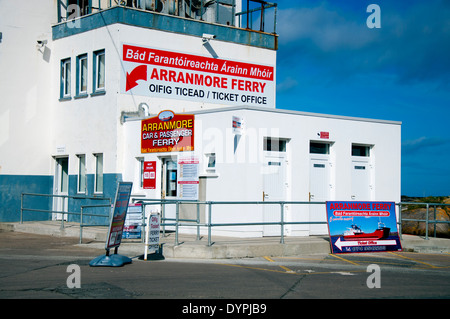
(99,72)
(141,171)
(360,150)
(81,173)
(274,144)
(82,75)
(83,6)
(64,163)
(319,148)
(211,162)
(98,173)
(171,177)
(65,79)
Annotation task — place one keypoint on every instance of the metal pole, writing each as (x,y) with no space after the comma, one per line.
(434,221)
(63,210)
(201,11)
(275,21)
(248,8)
(282,222)
(426,222)
(198,221)
(81,224)
(209,223)
(143,223)
(163,216)
(21,208)
(177,217)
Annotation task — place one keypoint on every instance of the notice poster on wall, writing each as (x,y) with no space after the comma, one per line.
(362,227)
(119,214)
(177,75)
(237,125)
(149,172)
(188,180)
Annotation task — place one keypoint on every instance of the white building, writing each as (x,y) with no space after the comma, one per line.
(76,92)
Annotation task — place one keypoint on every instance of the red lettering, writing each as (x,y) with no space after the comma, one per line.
(163,75)
(154,75)
(172,75)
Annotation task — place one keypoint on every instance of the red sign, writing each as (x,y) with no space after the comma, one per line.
(178,75)
(325,135)
(167,132)
(180,60)
(149,175)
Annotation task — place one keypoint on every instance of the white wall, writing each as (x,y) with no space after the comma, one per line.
(92,124)
(240,176)
(88,125)
(25,111)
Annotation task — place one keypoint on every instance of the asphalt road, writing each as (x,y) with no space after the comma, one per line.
(36,266)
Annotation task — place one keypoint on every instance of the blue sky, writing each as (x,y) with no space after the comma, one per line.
(330,62)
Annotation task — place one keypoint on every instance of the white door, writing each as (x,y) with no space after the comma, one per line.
(61,187)
(274,185)
(319,191)
(360,181)
(169,187)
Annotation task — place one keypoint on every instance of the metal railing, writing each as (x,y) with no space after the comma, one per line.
(262,15)
(266,12)
(65,208)
(178,222)
(427,219)
(194,9)
(208,223)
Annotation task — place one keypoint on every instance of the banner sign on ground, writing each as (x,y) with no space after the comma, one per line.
(152,235)
(133,222)
(119,214)
(362,227)
(177,75)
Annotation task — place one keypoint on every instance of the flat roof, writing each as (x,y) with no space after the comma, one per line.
(284,111)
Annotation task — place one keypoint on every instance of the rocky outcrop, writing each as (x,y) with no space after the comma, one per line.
(419,212)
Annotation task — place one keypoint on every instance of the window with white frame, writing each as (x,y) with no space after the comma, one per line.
(360,150)
(98,173)
(82,76)
(81,174)
(210,162)
(319,148)
(99,71)
(65,78)
(141,171)
(272,144)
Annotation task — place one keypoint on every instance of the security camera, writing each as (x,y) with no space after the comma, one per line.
(41,43)
(206,37)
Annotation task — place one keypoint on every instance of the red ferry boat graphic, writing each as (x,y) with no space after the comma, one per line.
(356,233)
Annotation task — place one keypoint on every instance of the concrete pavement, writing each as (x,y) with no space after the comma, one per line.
(222,247)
